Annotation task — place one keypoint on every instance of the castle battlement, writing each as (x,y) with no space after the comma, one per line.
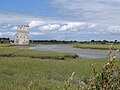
(23,27)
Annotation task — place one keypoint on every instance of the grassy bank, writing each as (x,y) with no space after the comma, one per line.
(17,52)
(97,46)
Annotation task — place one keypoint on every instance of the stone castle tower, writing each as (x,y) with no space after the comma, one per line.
(22,35)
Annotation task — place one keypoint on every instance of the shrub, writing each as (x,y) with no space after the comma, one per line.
(107,79)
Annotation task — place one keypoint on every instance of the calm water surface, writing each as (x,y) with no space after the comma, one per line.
(89,53)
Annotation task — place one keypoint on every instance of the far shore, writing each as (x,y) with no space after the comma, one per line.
(74,45)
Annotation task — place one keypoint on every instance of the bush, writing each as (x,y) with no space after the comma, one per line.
(107,79)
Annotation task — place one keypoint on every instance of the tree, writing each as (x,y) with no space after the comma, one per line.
(92,40)
(115,41)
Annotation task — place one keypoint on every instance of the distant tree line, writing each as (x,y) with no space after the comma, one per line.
(52,41)
(74,41)
(7,41)
(4,40)
(100,42)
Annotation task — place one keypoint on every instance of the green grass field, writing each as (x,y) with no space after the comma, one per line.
(97,46)
(21,73)
(19,70)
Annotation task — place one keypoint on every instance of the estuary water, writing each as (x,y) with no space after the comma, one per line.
(88,53)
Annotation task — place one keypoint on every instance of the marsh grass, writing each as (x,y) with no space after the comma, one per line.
(97,46)
(21,73)
(17,52)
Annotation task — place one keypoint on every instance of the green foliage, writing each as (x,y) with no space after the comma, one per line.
(107,79)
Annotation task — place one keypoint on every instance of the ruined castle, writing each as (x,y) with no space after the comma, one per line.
(22,35)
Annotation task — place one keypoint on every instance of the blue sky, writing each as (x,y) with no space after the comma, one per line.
(62,19)
(34,7)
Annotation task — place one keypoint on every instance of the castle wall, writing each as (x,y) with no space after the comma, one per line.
(22,35)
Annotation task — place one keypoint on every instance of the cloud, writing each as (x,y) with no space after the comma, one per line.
(0,34)
(14,28)
(7,34)
(85,27)
(50,27)
(114,29)
(111,29)
(15,18)
(6,26)
(71,26)
(33,24)
(40,26)
(36,33)
(94,11)
(75,26)
(7,16)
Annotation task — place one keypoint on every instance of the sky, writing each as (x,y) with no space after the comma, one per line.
(81,20)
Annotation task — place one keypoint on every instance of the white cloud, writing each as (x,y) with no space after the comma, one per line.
(33,24)
(93,11)
(43,25)
(72,26)
(75,26)
(7,33)
(14,28)
(6,26)
(63,28)
(50,27)
(36,33)
(55,26)
(0,34)
(114,29)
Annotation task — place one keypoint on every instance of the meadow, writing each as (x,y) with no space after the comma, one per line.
(96,46)
(23,69)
